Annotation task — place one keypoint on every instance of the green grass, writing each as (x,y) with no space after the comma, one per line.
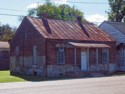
(6,77)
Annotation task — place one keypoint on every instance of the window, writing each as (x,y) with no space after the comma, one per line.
(25,34)
(17,50)
(105,56)
(60,56)
(35,54)
(5,54)
(122,56)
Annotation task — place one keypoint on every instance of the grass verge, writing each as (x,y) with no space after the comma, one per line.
(6,77)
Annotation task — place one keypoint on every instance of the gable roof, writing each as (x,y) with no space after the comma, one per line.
(59,29)
(117,25)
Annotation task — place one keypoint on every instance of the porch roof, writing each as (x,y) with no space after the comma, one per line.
(89,45)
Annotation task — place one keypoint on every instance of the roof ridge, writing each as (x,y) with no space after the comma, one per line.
(61,29)
(62,20)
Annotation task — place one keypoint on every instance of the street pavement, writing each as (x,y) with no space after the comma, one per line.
(102,85)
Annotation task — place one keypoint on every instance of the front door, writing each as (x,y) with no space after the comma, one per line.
(83,60)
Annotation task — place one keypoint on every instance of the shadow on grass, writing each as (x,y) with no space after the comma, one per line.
(39,78)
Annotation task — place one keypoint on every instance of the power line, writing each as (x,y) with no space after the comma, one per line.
(83,2)
(10,15)
(53,1)
(88,2)
(12,9)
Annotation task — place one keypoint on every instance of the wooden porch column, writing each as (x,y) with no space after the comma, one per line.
(88,57)
(97,62)
(108,58)
(75,59)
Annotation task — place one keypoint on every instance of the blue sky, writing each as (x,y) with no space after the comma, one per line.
(92,12)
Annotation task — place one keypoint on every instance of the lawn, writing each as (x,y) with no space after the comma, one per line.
(6,77)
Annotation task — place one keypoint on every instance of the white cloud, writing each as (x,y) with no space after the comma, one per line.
(34,5)
(58,2)
(96,18)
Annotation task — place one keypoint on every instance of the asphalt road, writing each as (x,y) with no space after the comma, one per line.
(103,85)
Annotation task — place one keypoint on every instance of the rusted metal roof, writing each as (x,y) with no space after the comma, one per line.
(89,45)
(72,30)
(4,45)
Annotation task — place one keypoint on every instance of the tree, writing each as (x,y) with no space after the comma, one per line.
(6,32)
(61,12)
(117,10)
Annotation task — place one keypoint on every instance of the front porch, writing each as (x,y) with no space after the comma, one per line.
(80,59)
(93,57)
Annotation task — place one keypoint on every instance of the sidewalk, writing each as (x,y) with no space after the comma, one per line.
(52,83)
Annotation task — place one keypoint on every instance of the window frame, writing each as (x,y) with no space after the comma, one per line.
(35,62)
(59,49)
(17,50)
(105,55)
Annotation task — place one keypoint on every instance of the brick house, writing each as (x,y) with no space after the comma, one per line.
(50,48)
(4,55)
(117,31)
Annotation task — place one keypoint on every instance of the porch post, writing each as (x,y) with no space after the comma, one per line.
(75,59)
(108,58)
(88,57)
(97,58)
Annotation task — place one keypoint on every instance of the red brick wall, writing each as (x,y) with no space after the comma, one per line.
(92,56)
(33,38)
(69,53)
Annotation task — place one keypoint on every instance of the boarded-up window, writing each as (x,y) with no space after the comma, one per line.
(105,56)
(122,56)
(25,34)
(17,50)
(5,54)
(35,54)
(60,56)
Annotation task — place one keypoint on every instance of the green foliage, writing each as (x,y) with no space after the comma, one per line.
(117,10)
(61,12)
(6,32)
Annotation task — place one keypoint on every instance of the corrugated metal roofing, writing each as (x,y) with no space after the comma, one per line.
(4,45)
(117,25)
(89,45)
(59,29)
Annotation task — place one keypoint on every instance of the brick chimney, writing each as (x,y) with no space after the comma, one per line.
(45,22)
(43,16)
(79,18)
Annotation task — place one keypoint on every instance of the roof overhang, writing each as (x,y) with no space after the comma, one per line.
(89,45)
